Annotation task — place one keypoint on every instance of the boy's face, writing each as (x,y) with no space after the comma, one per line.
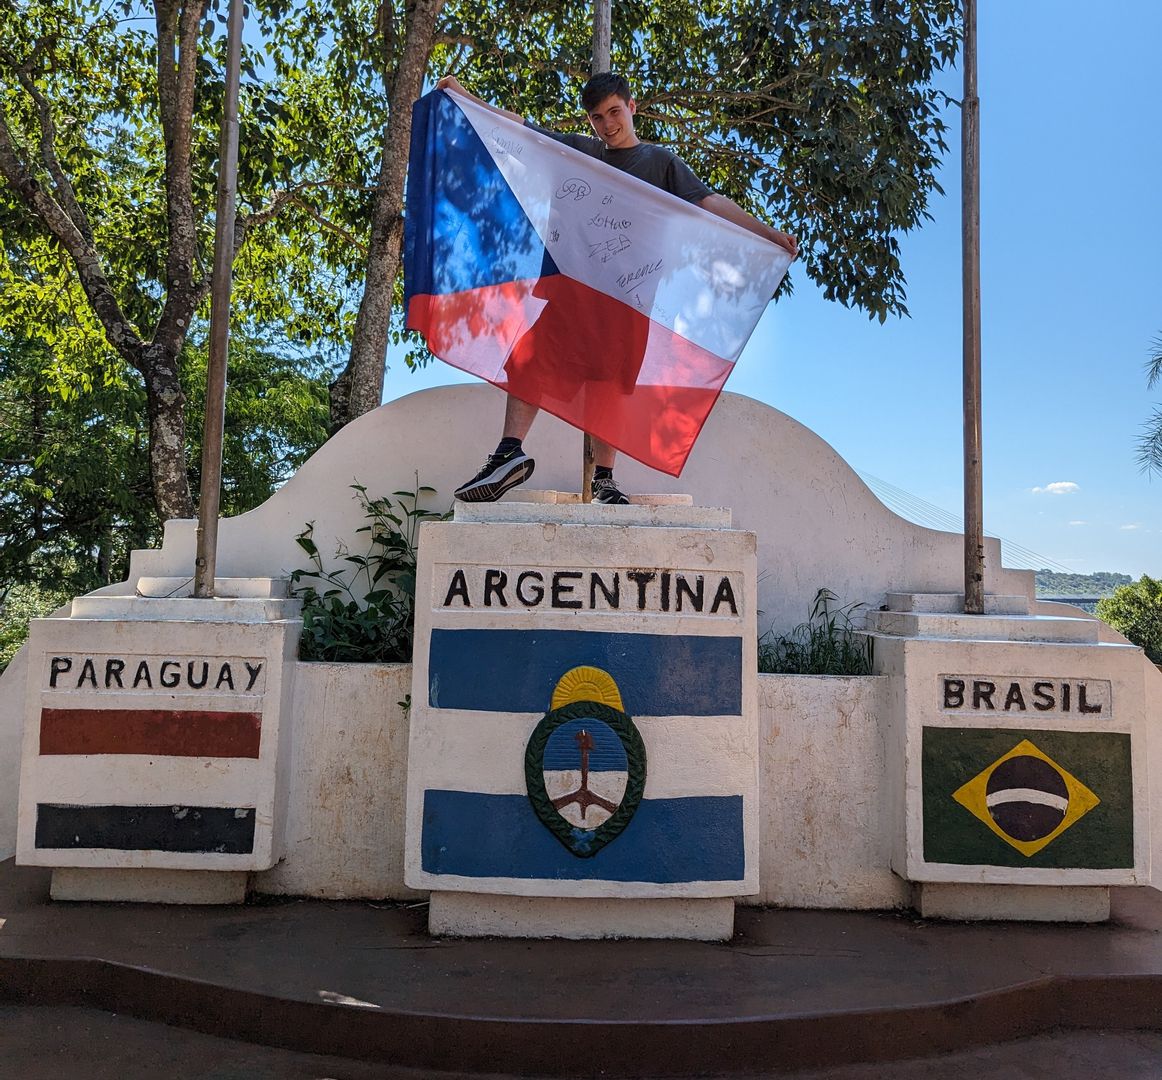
(612,121)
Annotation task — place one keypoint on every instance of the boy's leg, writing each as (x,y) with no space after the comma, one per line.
(518,418)
(605,489)
(508,465)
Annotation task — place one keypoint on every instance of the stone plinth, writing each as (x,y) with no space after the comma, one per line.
(155,744)
(584,719)
(1019,763)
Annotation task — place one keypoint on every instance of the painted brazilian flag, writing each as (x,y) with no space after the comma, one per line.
(1007,797)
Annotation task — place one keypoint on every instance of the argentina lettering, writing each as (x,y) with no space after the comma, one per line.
(651,590)
(243,675)
(984,695)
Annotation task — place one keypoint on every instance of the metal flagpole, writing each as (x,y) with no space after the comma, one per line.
(211,491)
(970,223)
(601,46)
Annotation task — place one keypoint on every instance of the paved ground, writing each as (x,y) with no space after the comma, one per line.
(52,1043)
(131,991)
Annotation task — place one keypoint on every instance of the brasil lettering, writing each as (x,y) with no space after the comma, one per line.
(989,694)
(237,674)
(656,590)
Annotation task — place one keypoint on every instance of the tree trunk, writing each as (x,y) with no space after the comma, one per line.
(166,409)
(359,388)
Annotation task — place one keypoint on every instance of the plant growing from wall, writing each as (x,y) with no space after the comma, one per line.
(1136,611)
(363,611)
(827,644)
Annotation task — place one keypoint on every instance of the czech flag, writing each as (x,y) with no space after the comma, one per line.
(576,287)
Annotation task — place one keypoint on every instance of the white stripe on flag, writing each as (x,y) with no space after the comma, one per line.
(696,273)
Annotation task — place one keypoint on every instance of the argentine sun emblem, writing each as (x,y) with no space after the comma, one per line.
(585,763)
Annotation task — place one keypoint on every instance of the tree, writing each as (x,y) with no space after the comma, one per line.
(818,115)
(405,33)
(1150,441)
(108,140)
(1136,611)
(74,474)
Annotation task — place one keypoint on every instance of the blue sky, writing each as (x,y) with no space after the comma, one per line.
(1071,283)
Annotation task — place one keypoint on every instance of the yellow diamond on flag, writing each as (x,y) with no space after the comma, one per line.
(1026,798)
(586,684)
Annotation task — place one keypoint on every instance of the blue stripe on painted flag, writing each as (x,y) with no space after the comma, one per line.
(464,228)
(516,670)
(473,834)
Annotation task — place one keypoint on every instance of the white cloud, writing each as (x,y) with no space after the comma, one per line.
(1079,523)
(1127,528)
(1058,487)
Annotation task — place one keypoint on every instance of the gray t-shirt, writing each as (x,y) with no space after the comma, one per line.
(647,161)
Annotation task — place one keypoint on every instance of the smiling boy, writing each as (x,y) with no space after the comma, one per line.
(610,108)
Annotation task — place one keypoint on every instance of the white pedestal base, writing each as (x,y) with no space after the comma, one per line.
(149,886)
(462,914)
(1027,903)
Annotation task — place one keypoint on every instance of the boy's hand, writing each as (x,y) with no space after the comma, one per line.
(788,243)
(449,82)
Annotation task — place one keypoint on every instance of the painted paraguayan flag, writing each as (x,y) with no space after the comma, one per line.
(572,285)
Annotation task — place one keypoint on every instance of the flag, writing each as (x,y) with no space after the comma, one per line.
(683,692)
(1061,800)
(572,285)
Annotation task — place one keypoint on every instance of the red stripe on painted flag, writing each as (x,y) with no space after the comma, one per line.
(163,732)
(584,356)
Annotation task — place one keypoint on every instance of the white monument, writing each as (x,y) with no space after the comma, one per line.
(166,748)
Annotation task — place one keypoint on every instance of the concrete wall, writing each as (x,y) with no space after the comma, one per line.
(826,806)
(823,800)
(344,834)
(818,524)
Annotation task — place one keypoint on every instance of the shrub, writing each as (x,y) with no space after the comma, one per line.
(377,626)
(1136,611)
(827,644)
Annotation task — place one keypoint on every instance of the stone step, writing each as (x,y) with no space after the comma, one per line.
(185,609)
(953,603)
(671,515)
(562,498)
(983,627)
(260,588)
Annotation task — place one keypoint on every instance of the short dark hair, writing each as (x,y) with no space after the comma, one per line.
(597,89)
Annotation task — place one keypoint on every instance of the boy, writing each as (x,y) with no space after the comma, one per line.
(610,107)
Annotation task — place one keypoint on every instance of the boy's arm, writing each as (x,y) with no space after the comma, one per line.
(449,82)
(726,208)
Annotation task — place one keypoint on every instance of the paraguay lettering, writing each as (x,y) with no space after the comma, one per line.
(143,673)
(678,592)
(991,694)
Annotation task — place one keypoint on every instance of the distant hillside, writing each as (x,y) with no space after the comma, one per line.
(1051,583)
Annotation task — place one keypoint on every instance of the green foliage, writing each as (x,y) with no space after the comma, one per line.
(74,472)
(1103,583)
(18,605)
(1136,611)
(276,416)
(365,612)
(827,644)
(1150,441)
(818,115)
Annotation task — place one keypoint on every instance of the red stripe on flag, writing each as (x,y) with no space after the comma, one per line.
(592,360)
(164,732)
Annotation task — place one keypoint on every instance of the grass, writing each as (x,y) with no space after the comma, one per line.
(828,643)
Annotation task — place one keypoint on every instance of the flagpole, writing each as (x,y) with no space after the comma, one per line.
(970,272)
(209,501)
(600,63)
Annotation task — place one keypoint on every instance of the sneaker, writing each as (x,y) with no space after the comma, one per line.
(499,473)
(606,491)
